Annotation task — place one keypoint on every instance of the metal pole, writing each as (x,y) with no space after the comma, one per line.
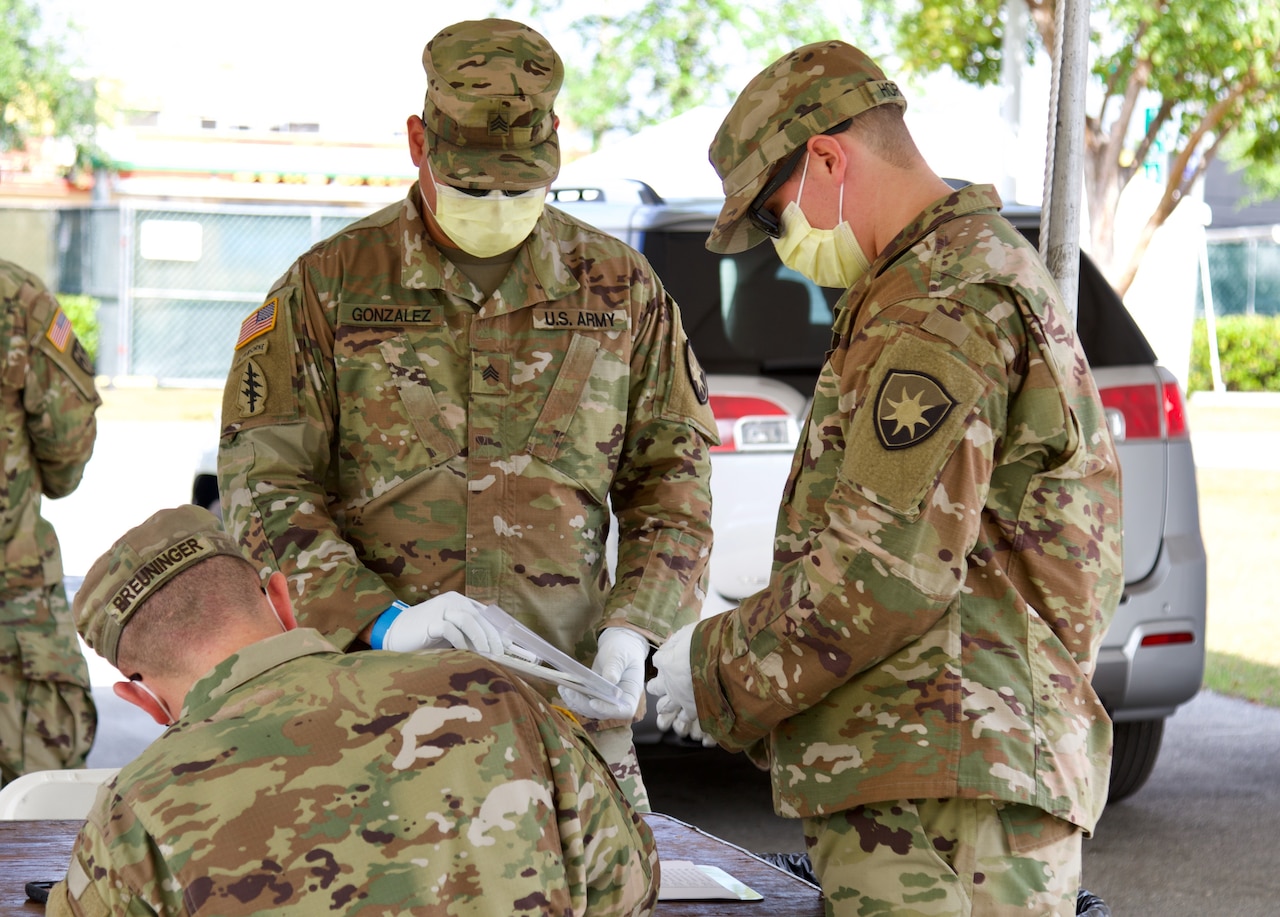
(1060,216)
(1210,319)
(1011,65)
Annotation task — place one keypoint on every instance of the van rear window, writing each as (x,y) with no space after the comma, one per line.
(749,313)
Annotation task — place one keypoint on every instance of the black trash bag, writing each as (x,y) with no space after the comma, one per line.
(1090,905)
(1087,903)
(795,863)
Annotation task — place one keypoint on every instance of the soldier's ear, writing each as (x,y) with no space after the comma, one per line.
(278,595)
(417,134)
(826,153)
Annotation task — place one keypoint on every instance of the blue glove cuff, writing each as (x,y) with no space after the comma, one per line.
(384,622)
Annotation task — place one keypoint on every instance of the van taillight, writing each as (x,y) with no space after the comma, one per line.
(1174,639)
(1139,411)
(748,423)
(1175,410)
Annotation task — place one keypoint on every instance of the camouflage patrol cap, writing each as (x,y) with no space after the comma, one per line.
(491,85)
(808,91)
(138,564)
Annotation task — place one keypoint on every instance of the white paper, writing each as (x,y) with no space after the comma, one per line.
(683,880)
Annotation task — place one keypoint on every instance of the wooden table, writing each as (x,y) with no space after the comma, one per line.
(32,851)
(38,850)
(785,895)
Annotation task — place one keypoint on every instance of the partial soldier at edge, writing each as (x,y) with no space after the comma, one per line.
(47,716)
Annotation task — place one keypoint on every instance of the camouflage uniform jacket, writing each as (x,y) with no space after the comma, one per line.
(948,552)
(299,780)
(387,433)
(47,401)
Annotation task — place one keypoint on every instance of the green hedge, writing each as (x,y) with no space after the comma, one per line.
(1248,351)
(83,312)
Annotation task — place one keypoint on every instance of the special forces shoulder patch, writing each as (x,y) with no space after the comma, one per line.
(909,408)
(251,388)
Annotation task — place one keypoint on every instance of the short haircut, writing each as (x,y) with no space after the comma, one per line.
(883,131)
(207,598)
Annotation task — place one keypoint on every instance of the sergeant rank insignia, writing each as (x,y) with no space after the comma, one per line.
(910,408)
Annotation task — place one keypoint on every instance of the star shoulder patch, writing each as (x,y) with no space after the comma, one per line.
(909,408)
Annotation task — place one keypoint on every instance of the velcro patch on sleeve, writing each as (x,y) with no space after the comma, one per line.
(260,387)
(60,344)
(919,400)
(688,395)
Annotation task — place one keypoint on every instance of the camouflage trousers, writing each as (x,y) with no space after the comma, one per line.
(618,749)
(952,857)
(47,715)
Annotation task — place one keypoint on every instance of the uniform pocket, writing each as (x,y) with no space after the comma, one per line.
(580,429)
(419,401)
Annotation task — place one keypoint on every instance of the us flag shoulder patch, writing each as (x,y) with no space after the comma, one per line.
(258,323)
(59,332)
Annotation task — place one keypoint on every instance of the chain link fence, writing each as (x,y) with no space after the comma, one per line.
(176,280)
(1244,272)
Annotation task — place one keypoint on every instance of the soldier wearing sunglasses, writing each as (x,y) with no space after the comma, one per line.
(916,673)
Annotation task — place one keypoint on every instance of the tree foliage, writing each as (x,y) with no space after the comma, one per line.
(39,95)
(646,62)
(1187,81)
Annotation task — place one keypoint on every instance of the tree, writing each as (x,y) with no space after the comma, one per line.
(39,96)
(648,61)
(1200,77)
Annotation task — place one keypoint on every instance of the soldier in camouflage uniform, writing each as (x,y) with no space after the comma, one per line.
(435,409)
(296,779)
(916,674)
(47,716)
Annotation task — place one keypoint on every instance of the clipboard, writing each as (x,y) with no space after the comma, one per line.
(530,655)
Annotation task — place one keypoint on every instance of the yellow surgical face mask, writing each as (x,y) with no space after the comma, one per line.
(828,257)
(488,224)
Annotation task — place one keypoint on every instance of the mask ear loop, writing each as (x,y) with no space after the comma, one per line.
(432,173)
(137,680)
(804,173)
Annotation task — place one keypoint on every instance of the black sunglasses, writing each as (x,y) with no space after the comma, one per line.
(764,220)
(481,192)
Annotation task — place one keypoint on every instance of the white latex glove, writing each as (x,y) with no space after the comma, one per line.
(620,661)
(451,617)
(672,688)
